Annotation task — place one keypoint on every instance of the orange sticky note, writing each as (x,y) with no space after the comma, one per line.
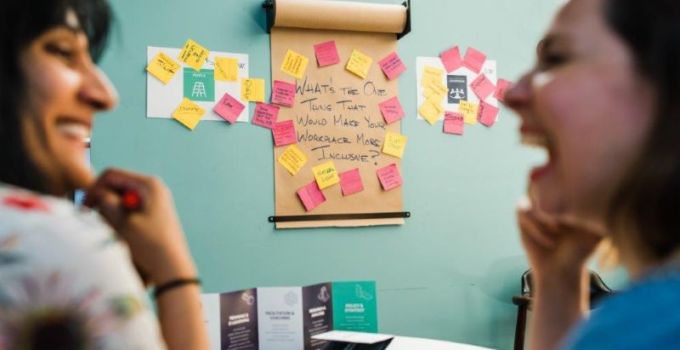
(226,69)
(326,175)
(293,159)
(163,67)
(359,64)
(469,111)
(194,55)
(394,144)
(188,113)
(294,64)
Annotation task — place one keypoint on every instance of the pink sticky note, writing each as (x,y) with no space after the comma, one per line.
(391,110)
(229,108)
(454,123)
(389,177)
(311,196)
(482,86)
(350,182)
(474,60)
(283,93)
(501,87)
(326,53)
(451,59)
(265,115)
(392,66)
(487,114)
(284,133)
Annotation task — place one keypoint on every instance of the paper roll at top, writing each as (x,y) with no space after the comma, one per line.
(340,15)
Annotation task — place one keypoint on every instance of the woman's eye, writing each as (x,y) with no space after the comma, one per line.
(61,51)
(550,60)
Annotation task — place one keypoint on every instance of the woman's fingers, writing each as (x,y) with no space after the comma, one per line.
(535,230)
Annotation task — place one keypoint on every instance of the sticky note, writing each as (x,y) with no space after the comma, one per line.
(482,86)
(430,111)
(487,114)
(229,108)
(326,53)
(436,89)
(293,159)
(350,182)
(359,64)
(294,64)
(193,54)
(454,123)
(391,110)
(284,133)
(252,90)
(429,70)
(226,69)
(311,196)
(394,144)
(392,66)
(163,67)
(389,177)
(501,87)
(283,94)
(265,115)
(188,113)
(469,111)
(326,175)
(474,60)
(432,75)
(451,59)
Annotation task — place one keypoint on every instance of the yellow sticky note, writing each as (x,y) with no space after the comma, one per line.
(394,144)
(226,69)
(163,67)
(326,175)
(429,70)
(435,89)
(429,79)
(193,54)
(469,111)
(359,64)
(293,159)
(430,111)
(188,113)
(252,90)
(294,64)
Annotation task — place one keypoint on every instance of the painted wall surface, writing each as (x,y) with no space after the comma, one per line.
(448,273)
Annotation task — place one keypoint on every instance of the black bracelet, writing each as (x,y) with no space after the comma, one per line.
(174,284)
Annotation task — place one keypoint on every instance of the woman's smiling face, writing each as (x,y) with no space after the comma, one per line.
(587,106)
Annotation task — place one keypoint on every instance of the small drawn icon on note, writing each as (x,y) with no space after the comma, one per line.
(362,294)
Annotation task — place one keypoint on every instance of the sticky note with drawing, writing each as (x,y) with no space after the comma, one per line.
(252,90)
(163,67)
(193,54)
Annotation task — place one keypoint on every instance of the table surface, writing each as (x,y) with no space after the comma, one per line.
(409,343)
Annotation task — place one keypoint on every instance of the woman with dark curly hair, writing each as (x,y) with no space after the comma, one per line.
(604,101)
(70,278)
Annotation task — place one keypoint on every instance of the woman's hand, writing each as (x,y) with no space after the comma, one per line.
(152,231)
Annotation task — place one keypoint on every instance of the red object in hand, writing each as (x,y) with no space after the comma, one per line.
(131,200)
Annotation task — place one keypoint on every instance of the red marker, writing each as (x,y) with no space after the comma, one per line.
(132,200)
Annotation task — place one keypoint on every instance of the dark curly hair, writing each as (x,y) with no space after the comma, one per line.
(21,22)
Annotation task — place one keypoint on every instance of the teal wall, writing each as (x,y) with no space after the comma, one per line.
(448,273)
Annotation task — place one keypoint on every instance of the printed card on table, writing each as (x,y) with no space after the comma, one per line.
(391,110)
(454,123)
(311,196)
(326,53)
(392,66)
(394,144)
(279,313)
(226,69)
(355,307)
(229,108)
(326,175)
(350,182)
(284,133)
(265,115)
(451,59)
(317,307)
(293,159)
(294,64)
(188,113)
(193,54)
(389,177)
(239,319)
(252,90)
(474,60)
(163,67)
(359,64)
(283,93)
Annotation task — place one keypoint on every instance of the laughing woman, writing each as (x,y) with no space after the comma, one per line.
(604,100)
(68,278)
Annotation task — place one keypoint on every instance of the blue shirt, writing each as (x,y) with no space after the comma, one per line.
(644,316)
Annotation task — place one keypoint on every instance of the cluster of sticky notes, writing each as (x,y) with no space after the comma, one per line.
(293,159)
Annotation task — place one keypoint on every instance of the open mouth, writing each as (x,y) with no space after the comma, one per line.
(74,130)
(537,138)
